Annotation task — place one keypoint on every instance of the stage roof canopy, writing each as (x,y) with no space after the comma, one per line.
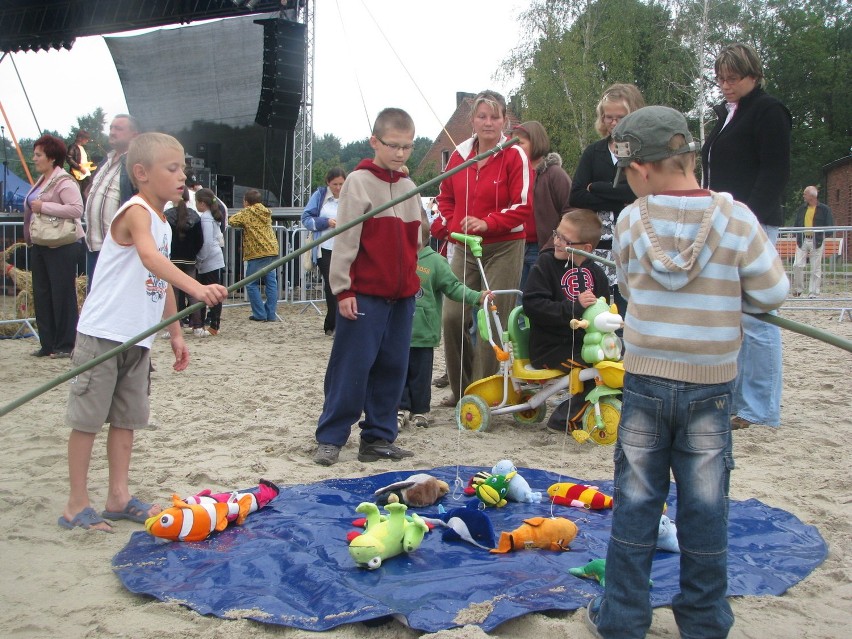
(55,24)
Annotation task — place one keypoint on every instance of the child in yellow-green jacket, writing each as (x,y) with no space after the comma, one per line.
(260,248)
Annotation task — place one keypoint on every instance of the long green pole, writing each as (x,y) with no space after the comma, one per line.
(23,399)
(783,322)
(796,327)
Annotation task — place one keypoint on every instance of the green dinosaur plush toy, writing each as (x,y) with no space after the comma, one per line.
(387,537)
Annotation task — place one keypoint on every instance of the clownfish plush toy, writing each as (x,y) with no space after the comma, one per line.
(194,518)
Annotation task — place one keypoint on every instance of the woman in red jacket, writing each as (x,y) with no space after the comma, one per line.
(491,198)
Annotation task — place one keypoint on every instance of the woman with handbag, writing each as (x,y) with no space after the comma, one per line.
(52,212)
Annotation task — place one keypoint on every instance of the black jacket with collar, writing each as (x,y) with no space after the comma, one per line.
(592,183)
(822,217)
(750,158)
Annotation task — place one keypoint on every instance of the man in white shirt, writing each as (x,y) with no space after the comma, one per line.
(111,187)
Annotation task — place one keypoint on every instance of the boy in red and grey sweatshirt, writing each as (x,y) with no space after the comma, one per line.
(373,275)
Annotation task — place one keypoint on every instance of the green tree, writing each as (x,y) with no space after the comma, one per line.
(576,48)
(806,48)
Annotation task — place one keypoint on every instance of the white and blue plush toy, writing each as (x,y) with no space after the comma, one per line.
(519,489)
(667,536)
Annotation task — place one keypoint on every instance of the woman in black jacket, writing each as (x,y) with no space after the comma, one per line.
(187,240)
(592,184)
(747,154)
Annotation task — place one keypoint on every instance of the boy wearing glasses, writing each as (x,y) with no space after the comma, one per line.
(559,288)
(373,273)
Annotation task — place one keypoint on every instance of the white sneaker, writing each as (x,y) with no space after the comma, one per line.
(401,419)
(200,332)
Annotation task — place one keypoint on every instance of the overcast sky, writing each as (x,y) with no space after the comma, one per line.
(445,45)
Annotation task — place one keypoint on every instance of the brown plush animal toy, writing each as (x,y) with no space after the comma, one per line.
(417,491)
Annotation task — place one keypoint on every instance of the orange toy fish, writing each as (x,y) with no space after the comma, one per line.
(538,532)
(194,522)
(579,495)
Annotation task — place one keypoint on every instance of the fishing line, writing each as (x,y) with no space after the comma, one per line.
(354,69)
(404,68)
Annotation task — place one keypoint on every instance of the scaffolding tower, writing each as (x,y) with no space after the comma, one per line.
(304,136)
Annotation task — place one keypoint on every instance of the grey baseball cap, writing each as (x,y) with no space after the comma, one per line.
(645,135)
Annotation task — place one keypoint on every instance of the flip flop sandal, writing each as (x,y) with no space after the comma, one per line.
(85,519)
(135,510)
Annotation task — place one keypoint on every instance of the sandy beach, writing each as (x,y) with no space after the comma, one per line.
(247,408)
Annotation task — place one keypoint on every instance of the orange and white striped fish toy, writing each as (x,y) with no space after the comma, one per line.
(579,496)
(191,522)
(194,518)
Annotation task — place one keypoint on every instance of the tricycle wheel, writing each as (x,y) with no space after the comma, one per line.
(611,413)
(531,415)
(472,413)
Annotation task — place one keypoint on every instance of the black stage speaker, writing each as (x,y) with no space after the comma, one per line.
(283,74)
(224,187)
(203,177)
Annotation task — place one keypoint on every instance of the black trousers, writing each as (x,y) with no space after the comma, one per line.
(324,263)
(417,392)
(55,295)
(214,313)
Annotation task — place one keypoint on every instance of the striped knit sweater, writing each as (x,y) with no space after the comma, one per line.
(689,265)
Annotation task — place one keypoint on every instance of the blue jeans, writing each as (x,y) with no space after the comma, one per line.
(366,371)
(686,427)
(530,258)
(757,393)
(270,281)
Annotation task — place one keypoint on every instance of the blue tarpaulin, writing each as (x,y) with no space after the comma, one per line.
(289,564)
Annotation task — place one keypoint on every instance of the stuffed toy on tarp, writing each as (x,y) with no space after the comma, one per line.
(667,535)
(492,489)
(468,524)
(418,491)
(548,533)
(519,490)
(196,517)
(579,496)
(595,569)
(388,537)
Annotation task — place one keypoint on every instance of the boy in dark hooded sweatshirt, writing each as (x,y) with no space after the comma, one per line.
(374,276)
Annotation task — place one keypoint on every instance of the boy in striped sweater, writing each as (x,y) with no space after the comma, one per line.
(689,262)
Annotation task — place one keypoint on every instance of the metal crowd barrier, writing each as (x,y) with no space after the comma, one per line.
(296,285)
(301,286)
(836,288)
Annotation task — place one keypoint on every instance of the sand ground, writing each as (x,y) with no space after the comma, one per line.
(247,407)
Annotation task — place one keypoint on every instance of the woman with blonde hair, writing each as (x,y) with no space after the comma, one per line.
(593,180)
(493,199)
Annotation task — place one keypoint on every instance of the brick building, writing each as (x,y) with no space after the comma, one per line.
(838,190)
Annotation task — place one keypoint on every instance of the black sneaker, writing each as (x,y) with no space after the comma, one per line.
(381,449)
(326,454)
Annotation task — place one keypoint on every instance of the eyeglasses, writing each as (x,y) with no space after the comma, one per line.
(563,240)
(405,148)
(613,118)
(730,79)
